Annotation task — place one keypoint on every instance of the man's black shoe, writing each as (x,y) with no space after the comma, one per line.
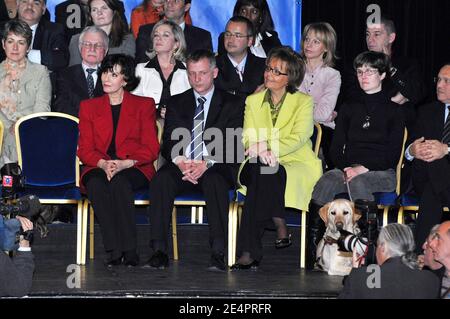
(217,262)
(159,260)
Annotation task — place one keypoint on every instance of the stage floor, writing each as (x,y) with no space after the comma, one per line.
(278,276)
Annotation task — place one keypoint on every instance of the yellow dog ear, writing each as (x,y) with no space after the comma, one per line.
(323,213)
(356,213)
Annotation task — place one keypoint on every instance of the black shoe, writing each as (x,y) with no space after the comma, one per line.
(159,260)
(111,262)
(283,242)
(131,258)
(217,262)
(251,266)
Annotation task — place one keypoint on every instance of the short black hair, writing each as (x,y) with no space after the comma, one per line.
(127,66)
(244,20)
(197,55)
(376,60)
(295,65)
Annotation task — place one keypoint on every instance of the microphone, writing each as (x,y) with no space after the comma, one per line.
(25,206)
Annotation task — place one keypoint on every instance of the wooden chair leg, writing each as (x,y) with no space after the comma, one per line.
(385,215)
(174,233)
(84,236)
(200,215)
(303,239)
(91,233)
(80,247)
(400,217)
(232,225)
(193,215)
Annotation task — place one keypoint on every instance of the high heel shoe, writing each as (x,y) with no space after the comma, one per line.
(251,266)
(283,242)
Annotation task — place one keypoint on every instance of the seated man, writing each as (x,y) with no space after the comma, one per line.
(440,246)
(397,275)
(240,71)
(81,81)
(190,165)
(16,275)
(430,155)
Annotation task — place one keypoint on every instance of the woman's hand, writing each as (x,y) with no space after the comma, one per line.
(120,165)
(256,149)
(108,167)
(268,158)
(352,172)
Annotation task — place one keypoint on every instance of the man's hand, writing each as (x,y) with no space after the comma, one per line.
(435,150)
(399,99)
(26,225)
(352,172)
(185,166)
(196,170)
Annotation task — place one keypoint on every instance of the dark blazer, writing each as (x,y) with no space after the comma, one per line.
(136,136)
(196,38)
(71,89)
(226,111)
(269,41)
(65,14)
(16,275)
(397,281)
(228,79)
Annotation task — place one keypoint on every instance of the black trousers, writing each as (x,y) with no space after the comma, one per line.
(433,188)
(214,185)
(264,200)
(325,143)
(113,203)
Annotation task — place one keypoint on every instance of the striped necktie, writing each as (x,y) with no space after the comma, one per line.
(90,82)
(197,131)
(446,132)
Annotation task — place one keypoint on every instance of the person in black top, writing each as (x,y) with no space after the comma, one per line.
(240,71)
(366,145)
(258,12)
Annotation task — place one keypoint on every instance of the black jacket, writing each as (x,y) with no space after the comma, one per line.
(269,41)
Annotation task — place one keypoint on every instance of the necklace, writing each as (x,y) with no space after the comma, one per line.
(366,123)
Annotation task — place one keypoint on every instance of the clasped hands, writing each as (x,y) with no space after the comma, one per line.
(428,150)
(112,167)
(352,172)
(191,169)
(262,151)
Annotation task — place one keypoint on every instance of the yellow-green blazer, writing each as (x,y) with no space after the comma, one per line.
(289,139)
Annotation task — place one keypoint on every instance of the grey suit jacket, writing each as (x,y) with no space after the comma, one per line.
(16,274)
(34,96)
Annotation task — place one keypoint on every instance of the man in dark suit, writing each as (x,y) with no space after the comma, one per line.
(198,157)
(81,81)
(240,72)
(48,46)
(196,38)
(397,275)
(73,15)
(431,159)
(16,275)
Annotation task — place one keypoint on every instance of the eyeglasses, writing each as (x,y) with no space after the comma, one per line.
(274,71)
(438,79)
(367,72)
(95,46)
(236,35)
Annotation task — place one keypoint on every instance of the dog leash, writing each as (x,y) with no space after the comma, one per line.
(348,186)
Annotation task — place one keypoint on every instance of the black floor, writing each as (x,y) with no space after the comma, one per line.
(278,276)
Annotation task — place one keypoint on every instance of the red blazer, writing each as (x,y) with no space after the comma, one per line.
(136,136)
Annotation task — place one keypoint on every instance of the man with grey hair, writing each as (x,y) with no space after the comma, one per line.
(81,81)
(440,246)
(397,275)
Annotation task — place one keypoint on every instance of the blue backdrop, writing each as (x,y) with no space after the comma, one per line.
(212,15)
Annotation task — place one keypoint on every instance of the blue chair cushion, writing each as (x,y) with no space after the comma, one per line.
(385,198)
(53,193)
(141,194)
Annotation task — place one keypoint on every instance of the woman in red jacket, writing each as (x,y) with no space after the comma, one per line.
(118,144)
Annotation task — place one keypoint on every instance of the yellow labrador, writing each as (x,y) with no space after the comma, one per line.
(337,215)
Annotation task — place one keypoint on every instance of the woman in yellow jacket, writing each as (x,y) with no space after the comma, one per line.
(282,169)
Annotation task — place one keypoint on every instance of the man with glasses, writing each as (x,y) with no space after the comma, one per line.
(240,71)
(79,82)
(174,10)
(430,157)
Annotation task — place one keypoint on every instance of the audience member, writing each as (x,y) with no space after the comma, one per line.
(8,11)
(427,261)
(240,71)
(430,155)
(165,74)
(321,81)
(80,81)
(16,275)
(107,15)
(118,144)
(196,164)
(25,86)
(440,246)
(258,12)
(74,14)
(174,10)
(150,11)
(278,125)
(398,275)
(366,145)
